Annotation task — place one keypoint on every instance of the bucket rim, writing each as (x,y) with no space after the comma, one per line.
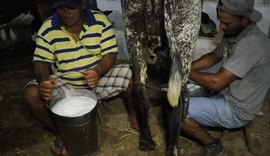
(49,104)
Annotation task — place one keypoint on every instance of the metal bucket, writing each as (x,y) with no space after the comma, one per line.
(79,133)
(196,90)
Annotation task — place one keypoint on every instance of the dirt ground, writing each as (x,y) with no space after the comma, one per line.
(21,135)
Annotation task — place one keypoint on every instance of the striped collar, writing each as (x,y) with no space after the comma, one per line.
(57,23)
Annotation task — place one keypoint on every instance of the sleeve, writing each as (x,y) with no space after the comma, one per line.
(108,39)
(43,51)
(244,57)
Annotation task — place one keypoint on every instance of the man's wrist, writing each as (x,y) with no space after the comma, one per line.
(99,71)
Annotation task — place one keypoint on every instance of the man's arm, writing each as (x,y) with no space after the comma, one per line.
(105,65)
(93,75)
(41,71)
(206,61)
(45,85)
(215,81)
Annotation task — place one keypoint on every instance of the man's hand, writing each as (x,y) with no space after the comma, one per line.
(46,88)
(92,77)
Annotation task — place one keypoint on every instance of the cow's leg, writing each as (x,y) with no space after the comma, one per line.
(182,22)
(173,118)
(135,27)
(139,67)
(146,142)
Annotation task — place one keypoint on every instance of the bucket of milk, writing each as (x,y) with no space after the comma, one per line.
(74,112)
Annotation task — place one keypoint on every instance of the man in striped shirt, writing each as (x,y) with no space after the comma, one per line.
(79,47)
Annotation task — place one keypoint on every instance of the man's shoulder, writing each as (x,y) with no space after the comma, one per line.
(47,22)
(255,38)
(98,15)
(46,26)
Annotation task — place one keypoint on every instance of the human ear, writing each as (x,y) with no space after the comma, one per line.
(245,21)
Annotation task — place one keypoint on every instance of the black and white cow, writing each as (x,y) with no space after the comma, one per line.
(158,29)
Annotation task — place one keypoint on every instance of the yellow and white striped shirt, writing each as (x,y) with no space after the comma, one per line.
(56,47)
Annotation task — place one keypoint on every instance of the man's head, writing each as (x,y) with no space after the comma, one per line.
(71,12)
(235,15)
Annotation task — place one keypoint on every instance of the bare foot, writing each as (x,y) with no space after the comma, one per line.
(59,148)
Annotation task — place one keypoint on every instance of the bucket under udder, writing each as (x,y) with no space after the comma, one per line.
(78,128)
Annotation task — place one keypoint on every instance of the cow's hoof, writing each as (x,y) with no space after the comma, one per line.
(147,145)
(172,151)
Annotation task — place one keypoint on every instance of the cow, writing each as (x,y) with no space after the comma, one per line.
(160,34)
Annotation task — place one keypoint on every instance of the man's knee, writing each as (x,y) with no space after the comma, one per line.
(185,123)
(31,96)
(188,122)
(30,92)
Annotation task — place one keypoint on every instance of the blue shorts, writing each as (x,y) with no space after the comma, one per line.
(214,111)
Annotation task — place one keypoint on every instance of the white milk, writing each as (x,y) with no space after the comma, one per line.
(74,106)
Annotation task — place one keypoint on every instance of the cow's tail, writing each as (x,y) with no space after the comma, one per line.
(175,81)
(174,85)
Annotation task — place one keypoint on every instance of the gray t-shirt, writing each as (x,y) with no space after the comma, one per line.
(248,57)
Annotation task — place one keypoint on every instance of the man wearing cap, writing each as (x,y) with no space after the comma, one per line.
(79,47)
(242,81)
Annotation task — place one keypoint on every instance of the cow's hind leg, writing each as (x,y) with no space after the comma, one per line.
(138,108)
(146,142)
(135,28)
(173,120)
